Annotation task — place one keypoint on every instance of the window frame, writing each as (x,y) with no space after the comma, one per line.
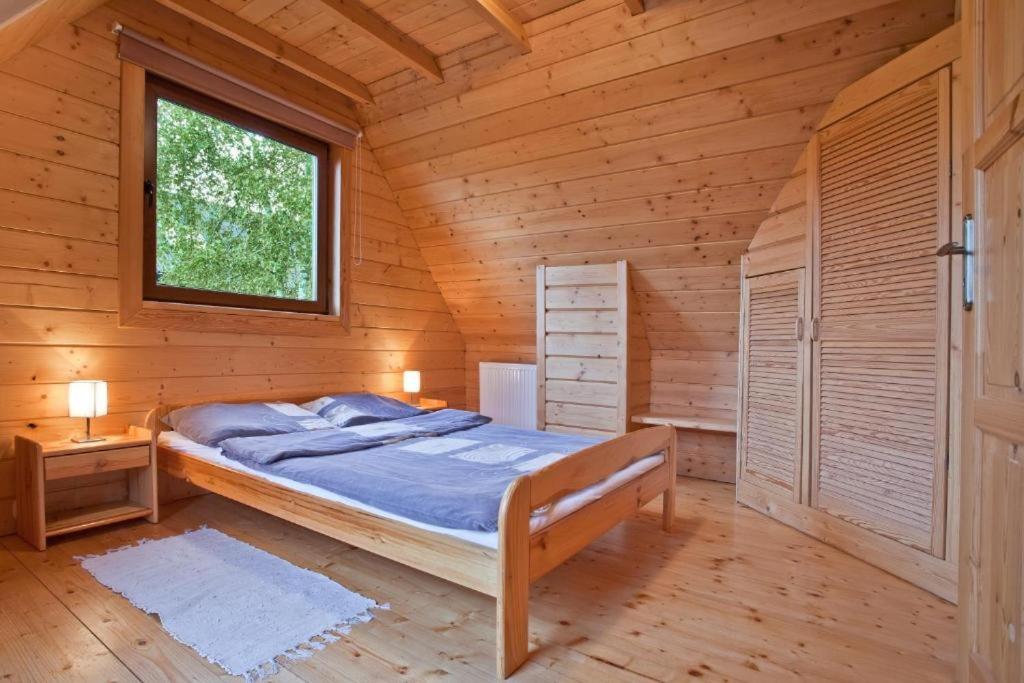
(161,88)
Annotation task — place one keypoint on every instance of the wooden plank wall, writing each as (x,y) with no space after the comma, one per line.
(780,241)
(58,276)
(661,139)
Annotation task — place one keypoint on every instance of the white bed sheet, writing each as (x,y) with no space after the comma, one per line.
(540,519)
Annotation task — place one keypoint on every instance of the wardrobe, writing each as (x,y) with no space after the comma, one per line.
(849,332)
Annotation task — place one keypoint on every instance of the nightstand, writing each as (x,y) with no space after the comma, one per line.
(432,404)
(37,463)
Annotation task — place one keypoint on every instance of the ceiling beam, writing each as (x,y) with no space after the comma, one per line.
(237,29)
(495,14)
(635,6)
(411,52)
(35,22)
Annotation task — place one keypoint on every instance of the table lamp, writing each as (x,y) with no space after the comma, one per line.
(88,399)
(411,384)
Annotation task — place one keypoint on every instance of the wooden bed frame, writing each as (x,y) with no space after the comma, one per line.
(521,558)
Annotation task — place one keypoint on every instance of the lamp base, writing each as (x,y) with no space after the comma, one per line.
(87,439)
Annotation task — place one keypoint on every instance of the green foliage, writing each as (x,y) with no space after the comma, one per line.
(234,208)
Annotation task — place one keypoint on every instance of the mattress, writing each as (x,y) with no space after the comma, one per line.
(541,518)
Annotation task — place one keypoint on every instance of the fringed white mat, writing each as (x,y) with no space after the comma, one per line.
(235,605)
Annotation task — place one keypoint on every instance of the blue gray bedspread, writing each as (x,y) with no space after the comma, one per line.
(455,480)
(275,447)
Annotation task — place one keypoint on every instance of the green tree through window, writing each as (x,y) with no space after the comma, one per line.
(235,210)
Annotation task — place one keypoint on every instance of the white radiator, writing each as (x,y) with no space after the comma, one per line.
(508,393)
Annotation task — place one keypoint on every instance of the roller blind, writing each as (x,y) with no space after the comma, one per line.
(158,58)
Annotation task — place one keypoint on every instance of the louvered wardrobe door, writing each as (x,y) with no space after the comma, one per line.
(772,382)
(882,306)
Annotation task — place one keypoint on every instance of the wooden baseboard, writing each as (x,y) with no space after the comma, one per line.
(933,574)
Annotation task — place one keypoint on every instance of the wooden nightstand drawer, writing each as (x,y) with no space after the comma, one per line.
(64,466)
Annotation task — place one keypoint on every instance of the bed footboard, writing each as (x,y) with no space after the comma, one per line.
(524,557)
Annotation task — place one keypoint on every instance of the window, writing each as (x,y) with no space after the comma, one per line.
(236,207)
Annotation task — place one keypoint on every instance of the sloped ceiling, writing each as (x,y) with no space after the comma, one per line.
(661,138)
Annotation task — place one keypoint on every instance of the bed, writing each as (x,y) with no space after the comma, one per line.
(545,516)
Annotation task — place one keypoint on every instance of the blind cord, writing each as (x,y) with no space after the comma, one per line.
(358,188)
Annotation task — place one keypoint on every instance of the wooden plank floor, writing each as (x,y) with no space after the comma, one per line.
(729,596)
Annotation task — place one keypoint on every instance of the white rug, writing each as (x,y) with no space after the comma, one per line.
(235,605)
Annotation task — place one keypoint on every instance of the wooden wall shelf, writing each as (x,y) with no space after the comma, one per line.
(703,424)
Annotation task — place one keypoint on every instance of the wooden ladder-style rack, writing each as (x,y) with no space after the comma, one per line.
(593,359)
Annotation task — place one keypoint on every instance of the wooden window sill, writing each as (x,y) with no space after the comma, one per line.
(202,318)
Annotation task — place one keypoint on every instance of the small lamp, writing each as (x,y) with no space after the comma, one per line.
(88,399)
(411,384)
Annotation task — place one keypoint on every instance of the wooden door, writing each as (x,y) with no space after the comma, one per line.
(772,382)
(992,526)
(881,327)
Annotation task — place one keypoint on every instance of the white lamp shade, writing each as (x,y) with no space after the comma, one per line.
(87,398)
(411,381)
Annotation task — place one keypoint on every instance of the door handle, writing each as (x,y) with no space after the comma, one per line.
(815,329)
(799,329)
(967,251)
(968,282)
(952,249)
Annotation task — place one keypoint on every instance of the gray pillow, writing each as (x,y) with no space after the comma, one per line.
(211,423)
(349,410)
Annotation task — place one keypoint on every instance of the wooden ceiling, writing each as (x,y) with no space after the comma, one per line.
(351,46)
(347,45)
(371,41)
